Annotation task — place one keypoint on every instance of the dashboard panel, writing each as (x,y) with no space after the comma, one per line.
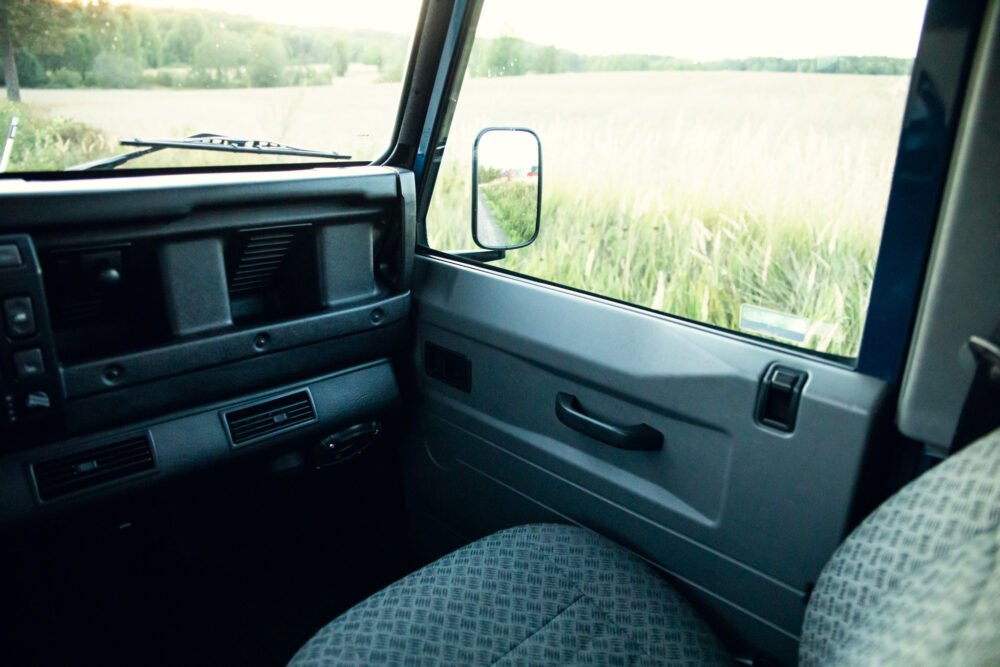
(132,299)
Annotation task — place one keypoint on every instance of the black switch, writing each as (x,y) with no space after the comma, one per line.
(20,317)
(28,364)
(10,256)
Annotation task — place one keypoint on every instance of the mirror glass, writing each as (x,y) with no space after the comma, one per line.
(506,188)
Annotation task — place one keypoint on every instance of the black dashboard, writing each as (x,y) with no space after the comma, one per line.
(142,313)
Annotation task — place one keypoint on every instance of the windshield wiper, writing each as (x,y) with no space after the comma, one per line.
(204,142)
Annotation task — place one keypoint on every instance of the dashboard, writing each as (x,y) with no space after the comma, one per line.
(144,318)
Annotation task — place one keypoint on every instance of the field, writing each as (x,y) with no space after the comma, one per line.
(353,115)
(697,192)
(688,192)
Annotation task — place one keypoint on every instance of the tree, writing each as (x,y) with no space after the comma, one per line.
(117,70)
(267,61)
(339,58)
(548,61)
(30,25)
(217,56)
(504,57)
(151,45)
(183,38)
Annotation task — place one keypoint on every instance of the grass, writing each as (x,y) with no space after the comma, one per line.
(513,204)
(696,193)
(692,193)
(46,143)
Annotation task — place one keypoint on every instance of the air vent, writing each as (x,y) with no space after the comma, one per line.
(261,257)
(270,417)
(59,477)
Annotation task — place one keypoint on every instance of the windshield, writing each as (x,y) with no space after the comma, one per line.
(279,82)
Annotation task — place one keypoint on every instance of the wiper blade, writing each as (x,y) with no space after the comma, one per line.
(205,142)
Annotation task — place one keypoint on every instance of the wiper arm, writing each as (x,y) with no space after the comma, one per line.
(205,142)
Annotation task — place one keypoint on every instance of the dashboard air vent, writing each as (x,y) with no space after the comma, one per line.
(270,417)
(99,465)
(261,257)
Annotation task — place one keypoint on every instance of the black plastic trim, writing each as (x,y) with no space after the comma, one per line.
(157,199)
(219,383)
(191,440)
(92,378)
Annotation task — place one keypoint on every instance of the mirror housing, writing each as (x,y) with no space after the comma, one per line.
(506,188)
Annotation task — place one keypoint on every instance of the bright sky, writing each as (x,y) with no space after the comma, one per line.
(699,29)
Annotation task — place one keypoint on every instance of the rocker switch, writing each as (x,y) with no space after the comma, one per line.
(778,399)
(20,317)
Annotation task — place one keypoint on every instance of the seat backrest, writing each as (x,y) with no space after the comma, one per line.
(918,582)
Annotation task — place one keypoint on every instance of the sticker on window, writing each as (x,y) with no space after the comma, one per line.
(767,322)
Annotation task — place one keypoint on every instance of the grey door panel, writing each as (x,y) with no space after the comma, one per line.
(745,514)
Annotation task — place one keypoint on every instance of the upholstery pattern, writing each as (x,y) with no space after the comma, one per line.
(540,594)
(918,582)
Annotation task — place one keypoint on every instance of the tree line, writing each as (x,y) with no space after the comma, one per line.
(511,56)
(78,43)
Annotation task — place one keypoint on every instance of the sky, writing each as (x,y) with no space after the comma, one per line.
(696,29)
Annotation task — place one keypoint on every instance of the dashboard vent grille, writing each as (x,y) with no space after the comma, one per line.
(270,417)
(261,257)
(99,465)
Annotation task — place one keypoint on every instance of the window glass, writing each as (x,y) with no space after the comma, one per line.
(80,76)
(724,161)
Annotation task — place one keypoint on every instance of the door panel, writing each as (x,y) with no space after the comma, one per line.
(743,515)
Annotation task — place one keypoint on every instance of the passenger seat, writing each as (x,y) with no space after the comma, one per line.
(917,583)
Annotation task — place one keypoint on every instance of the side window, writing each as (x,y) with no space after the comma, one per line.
(727,162)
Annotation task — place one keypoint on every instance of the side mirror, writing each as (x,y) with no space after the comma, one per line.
(506,188)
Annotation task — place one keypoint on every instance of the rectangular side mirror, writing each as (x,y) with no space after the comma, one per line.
(506,188)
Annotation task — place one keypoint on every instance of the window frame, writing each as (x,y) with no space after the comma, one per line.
(911,214)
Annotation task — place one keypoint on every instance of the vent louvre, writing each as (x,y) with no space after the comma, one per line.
(270,417)
(68,474)
(263,255)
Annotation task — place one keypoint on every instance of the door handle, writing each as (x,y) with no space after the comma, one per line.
(640,437)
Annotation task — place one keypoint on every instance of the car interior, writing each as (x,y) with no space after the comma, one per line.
(251,416)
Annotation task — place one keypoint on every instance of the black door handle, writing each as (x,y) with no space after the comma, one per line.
(640,437)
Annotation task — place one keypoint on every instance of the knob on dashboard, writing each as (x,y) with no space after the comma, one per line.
(109,276)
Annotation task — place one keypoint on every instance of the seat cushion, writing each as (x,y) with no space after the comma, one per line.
(918,582)
(540,594)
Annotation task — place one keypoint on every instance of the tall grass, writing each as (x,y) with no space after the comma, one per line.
(49,143)
(696,193)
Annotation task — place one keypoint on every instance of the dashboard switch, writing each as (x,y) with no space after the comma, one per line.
(28,364)
(20,316)
(10,256)
(37,400)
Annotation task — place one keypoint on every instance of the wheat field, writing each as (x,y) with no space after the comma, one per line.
(695,193)
(691,193)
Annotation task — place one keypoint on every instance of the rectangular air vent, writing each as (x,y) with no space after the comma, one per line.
(99,465)
(261,257)
(270,417)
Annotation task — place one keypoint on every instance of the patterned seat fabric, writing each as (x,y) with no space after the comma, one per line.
(918,582)
(539,594)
